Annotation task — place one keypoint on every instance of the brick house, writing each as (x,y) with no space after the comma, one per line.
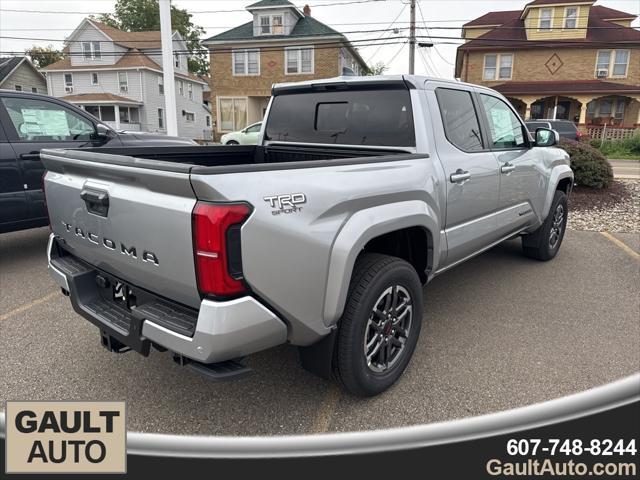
(563,59)
(280,44)
(117,77)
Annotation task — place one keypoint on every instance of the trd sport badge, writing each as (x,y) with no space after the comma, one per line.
(285,204)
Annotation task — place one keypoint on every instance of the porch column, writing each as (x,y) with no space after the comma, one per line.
(116,109)
(528,101)
(582,123)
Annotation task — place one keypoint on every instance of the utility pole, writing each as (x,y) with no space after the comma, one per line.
(412,38)
(166,34)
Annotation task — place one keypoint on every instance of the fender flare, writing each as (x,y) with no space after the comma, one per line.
(361,227)
(558,173)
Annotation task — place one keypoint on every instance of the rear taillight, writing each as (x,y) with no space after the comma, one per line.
(216,243)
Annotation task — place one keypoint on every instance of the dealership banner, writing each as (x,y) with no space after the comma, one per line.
(590,434)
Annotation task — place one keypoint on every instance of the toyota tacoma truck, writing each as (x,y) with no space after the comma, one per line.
(360,191)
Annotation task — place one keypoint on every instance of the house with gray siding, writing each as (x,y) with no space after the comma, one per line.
(18,73)
(117,77)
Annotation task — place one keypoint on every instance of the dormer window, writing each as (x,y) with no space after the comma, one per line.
(176,60)
(91,50)
(570,17)
(271,25)
(546,18)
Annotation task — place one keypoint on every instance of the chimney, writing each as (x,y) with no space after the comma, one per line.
(307,10)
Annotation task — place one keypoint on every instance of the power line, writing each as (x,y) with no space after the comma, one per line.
(390,25)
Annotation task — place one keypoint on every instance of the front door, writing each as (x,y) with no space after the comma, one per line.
(13,199)
(33,124)
(522,183)
(472,177)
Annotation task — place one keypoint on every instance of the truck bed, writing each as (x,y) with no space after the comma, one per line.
(218,158)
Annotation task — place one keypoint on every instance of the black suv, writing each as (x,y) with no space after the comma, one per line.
(30,122)
(565,128)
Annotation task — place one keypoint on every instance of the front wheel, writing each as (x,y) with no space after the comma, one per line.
(544,243)
(232,142)
(379,329)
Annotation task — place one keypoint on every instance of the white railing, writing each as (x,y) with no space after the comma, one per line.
(607,132)
(132,127)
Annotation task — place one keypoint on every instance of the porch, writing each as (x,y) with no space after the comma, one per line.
(120,113)
(592,105)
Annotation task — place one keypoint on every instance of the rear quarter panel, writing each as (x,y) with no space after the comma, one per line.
(300,262)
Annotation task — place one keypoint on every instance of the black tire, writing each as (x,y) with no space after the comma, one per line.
(373,275)
(544,243)
(232,142)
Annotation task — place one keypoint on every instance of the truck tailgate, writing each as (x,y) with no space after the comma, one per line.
(131,219)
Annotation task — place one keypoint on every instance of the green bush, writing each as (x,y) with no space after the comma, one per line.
(626,148)
(589,165)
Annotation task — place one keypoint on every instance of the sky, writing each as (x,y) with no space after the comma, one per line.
(358,21)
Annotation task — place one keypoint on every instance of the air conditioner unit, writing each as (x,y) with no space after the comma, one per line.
(68,89)
(602,73)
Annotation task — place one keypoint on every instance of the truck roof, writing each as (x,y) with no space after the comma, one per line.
(411,81)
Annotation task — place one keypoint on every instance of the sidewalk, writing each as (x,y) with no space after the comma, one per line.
(629,169)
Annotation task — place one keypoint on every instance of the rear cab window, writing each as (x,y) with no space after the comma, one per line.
(533,126)
(564,127)
(460,119)
(343,117)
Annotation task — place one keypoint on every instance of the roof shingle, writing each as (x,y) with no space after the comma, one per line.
(271,3)
(305,27)
(560,87)
(7,64)
(98,97)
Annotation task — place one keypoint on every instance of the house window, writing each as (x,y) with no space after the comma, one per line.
(94,79)
(176,60)
(246,62)
(160,118)
(129,115)
(18,88)
(34,90)
(614,62)
(298,60)
(161,85)
(271,25)
(606,106)
(91,50)
(620,106)
(68,82)
(498,66)
(181,88)
(265,25)
(208,120)
(546,17)
(123,81)
(620,62)
(233,114)
(189,117)
(591,108)
(190,91)
(570,17)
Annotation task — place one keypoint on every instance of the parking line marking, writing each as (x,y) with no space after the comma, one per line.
(27,306)
(622,245)
(322,420)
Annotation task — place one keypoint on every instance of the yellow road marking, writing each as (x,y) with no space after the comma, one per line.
(27,306)
(322,420)
(622,245)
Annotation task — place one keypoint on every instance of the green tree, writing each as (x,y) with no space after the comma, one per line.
(377,69)
(43,56)
(144,15)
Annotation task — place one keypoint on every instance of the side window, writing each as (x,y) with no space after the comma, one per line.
(41,121)
(460,119)
(505,128)
(254,128)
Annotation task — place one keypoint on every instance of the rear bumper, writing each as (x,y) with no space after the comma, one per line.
(223,330)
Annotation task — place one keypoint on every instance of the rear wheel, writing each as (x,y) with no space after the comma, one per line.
(379,329)
(232,142)
(544,243)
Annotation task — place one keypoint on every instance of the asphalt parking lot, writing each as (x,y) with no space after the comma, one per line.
(500,331)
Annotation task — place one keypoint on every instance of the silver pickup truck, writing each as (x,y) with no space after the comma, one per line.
(360,191)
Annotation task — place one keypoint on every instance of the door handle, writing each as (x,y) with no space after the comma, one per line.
(507,168)
(460,176)
(30,156)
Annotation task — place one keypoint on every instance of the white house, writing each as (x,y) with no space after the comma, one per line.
(117,77)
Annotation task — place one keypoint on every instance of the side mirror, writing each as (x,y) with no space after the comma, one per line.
(103,133)
(546,137)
